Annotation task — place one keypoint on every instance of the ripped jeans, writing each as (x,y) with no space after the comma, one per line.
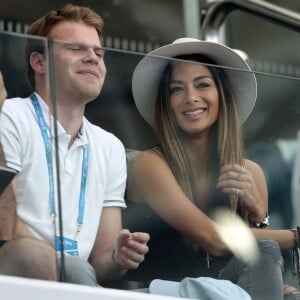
(263,280)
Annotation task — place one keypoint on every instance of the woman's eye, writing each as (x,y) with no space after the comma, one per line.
(203,85)
(175,89)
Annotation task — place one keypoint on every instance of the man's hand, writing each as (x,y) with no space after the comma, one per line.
(130,249)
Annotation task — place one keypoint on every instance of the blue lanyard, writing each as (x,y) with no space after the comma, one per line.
(84,169)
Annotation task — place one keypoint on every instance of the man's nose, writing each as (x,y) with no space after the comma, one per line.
(91,56)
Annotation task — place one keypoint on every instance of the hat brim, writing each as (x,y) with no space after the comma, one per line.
(199,288)
(148,72)
(164,287)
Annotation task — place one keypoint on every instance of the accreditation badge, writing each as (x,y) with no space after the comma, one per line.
(70,246)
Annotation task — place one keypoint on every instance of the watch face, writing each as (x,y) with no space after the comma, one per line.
(264,223)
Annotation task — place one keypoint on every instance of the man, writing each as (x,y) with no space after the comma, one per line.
(92,161)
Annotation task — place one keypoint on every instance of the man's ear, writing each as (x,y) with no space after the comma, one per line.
(37,62)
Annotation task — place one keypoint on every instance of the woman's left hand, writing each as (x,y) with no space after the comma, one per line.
(239,180)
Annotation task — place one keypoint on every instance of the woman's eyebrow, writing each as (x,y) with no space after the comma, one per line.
(195,79)
(175,81)
(202,77)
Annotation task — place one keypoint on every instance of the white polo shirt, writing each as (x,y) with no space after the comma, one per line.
(25,151)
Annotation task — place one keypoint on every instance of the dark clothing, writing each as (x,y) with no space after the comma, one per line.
(2,242)
(170,258)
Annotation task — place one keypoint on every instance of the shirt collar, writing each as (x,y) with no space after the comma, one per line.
(82,136)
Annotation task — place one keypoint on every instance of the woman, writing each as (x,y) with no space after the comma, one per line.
(197,110)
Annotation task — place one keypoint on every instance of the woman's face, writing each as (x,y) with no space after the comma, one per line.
(194,97)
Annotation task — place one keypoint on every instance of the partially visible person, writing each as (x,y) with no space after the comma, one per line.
(197,109)
(295,186)
(92,161)
(7,204)
(15,255)
(3,92)
(277,160)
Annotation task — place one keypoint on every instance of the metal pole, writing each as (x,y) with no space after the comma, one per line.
(191,17)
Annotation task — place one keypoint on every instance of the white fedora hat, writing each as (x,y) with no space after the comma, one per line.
(148,72)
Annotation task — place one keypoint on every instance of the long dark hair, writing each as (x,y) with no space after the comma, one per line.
(225,145)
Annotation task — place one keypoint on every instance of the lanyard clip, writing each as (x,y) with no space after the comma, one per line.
(79,226)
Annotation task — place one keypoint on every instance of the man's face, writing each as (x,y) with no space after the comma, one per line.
(79,67)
